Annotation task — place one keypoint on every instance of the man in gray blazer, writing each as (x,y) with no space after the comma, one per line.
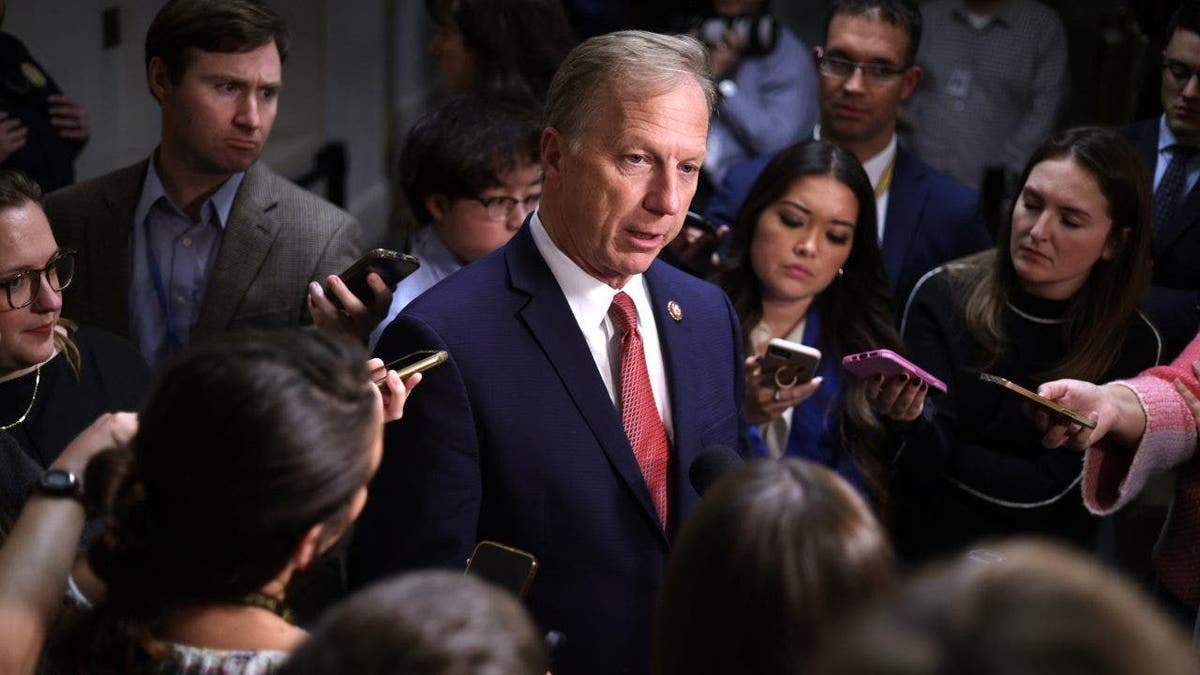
(200,238)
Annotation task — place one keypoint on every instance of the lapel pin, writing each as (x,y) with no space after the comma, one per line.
(675,310)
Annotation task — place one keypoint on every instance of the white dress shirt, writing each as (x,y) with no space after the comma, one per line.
(589,300)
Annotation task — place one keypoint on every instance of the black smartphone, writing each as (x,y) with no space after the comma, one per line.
(693,219)
(509,568)
(391,266)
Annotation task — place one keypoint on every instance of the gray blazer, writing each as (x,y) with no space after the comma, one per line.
(278,238)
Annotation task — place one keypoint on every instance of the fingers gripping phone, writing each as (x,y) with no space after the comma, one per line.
(509,568)
(421,365)
(1041,401)
(391,266)
(786,363)
(888,363)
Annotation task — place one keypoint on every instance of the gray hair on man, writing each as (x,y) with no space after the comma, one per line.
(618,63)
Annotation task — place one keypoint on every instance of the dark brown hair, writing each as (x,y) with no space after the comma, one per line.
(224,26)
(1100,312)
(775,554)
(855,309)
(245,444)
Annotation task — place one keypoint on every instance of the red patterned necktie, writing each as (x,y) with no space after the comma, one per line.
(639,413)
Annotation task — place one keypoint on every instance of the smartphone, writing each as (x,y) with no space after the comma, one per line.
(419,366)
(1040,401)
(509,568)
(391,266)
(693,219)
(888,363)
(786,363)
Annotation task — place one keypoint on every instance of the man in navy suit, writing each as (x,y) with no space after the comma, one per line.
(867,71)
(524,435)
(1175,137)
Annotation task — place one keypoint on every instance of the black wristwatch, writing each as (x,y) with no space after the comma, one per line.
(60,483)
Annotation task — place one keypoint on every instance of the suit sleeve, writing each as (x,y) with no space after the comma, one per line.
(937,446)
(423,508)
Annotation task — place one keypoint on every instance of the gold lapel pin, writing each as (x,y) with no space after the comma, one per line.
(675,310)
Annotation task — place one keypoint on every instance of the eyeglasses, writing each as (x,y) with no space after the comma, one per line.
(21,288)
(1179,71)
(500,208)
(876,74)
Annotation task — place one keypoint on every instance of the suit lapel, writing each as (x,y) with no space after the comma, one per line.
(244,246)
(549,319)
(906,201)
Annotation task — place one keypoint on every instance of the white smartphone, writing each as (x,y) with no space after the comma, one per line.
(787,364)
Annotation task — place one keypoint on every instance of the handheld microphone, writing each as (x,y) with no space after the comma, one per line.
(712,463)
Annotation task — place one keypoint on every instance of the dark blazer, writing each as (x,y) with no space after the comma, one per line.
(1175,295)
(931,218)
(277,239)
(515,439)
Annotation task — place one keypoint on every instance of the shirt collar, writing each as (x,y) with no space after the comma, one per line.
(874,166)
(1005,15)
(1166,139)
(219,204)
(588,297)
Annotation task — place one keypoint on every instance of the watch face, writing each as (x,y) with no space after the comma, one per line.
(59,482)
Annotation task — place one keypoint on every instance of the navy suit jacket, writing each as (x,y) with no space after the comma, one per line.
(515,439)
(931,218)
(1173,299)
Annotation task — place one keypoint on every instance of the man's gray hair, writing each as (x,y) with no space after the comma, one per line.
(622,62)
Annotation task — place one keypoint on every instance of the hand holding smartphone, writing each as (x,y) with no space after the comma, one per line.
(430,359)
(391,266)
(1041,401)
(787,364)
(888,363)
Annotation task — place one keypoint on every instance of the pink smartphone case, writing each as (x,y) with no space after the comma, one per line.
(888,363)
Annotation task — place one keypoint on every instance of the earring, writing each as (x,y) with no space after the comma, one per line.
(840,272)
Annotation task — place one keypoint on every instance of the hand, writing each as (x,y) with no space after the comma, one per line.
(70,118)
(1098,403)
(110,430)
(1190,398)
(393,392)
(724,56)
(697,248)
(354,319)
(12,135)
(899,397)
(766,402)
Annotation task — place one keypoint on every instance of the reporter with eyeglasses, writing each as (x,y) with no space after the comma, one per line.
(470,175)
(55,377)
(1169,145)
(866,70)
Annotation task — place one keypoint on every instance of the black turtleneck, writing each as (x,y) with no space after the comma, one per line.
(973,466)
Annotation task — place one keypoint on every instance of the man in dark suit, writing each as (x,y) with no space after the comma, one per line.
(200,238)
(867,71)
(1169,144)
(584,376)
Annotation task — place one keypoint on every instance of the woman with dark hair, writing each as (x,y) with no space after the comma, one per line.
(805,266)
(251,458)
(1058,297)
(775,555)
(506,48)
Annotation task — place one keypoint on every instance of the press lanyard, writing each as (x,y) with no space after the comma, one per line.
(885,181)
(173,342)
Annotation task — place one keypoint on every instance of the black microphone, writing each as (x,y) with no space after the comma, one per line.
(712,463)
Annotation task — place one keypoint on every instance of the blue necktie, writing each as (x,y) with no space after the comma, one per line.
(1170,187)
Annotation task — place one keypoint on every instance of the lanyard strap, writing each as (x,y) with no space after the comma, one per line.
(885,181)
(173,343)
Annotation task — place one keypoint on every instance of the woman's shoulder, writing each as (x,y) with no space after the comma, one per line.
(187,660)
(1143,348)
(942,289)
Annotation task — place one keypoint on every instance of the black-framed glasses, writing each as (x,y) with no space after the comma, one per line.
(21,288)
(1179,71)
(877,74)
(500,208)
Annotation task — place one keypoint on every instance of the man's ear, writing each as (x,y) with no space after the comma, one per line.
(912,77)
(554,148)
(437,205)
(159,79)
